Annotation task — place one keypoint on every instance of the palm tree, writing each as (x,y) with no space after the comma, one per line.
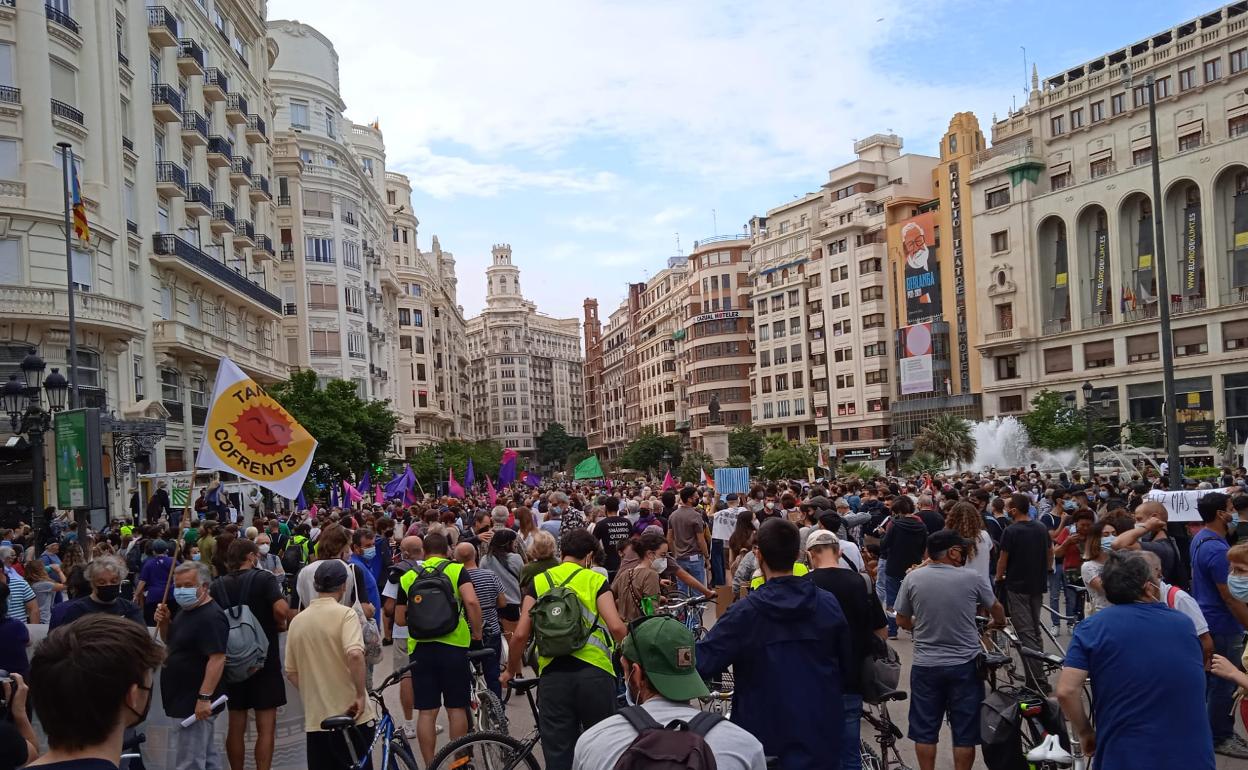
(860,471)
(948,439)
(920,463)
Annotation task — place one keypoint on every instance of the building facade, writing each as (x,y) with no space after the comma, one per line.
(526,368)
(656,310)
(1067,245)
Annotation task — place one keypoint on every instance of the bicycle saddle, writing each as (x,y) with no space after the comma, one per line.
(1050,750)
(337,723)
(891,695)
(479,654)
(523,685)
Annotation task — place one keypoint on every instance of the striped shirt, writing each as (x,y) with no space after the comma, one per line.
(20,592)
(487,586)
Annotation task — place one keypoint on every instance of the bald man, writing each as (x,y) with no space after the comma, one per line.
(1150,534)
(490,594)
(412,550)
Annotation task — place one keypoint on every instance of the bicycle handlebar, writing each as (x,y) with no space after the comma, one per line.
(391,680)
(682,604)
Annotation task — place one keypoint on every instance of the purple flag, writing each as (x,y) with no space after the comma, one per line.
(533,480)
(469,476)
(366,483)
(301,502)
(401,483)
(333,495)
(507,469)
(453,486)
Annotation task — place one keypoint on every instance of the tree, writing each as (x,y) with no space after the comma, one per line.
(1053,423)
(783,460)
(692,465)
(860,471)
(746,441)
(353,433)
(647,452)
(485,456)
(554,446)
(948,439)
(736,461)
(920,463)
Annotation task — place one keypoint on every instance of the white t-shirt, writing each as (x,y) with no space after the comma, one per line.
(601,745)
(981,562)
(1185,603)
(852,554)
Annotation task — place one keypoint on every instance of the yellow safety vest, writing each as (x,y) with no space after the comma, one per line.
(799,569)
(460,637)
(301,542)
(587,584)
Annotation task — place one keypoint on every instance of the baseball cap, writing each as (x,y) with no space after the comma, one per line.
(820,537)
(330,575)
(160,546)
(943,540)
(664,649)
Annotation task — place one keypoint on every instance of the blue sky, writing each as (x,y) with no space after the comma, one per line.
(589,133)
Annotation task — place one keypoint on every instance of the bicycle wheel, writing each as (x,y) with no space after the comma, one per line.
(401,757)
(483,751)
(490,715)
(870,759)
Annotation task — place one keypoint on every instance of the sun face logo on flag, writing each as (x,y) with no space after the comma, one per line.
(247,432)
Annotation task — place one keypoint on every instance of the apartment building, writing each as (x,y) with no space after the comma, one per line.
(526,368)
(611,376)
(338,281)
(1066,241)
(656,310)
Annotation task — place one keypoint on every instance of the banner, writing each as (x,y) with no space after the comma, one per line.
(79,468)
(589,468)
(916,359)
(1239,273)
(1145,291)
(1100,273)
(1182,505)
(1060,311)
(1193,262)
(918,246)
(249,434)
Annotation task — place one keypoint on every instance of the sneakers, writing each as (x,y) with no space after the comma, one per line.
(1057,630)
(1232,747)
(409,730)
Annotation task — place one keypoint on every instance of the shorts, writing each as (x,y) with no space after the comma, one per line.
(441,677)
(265,689)
(399,654)
(510,613)
(939,690)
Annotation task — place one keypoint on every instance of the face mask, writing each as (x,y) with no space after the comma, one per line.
(370,552)
(659,564)
(264,549)
(1107,542)
(1070,505)
(186,597)
(1234,518)
(629,697)
(1238,586)
(1103,495)
(107,594)
(195,557)
(147,706)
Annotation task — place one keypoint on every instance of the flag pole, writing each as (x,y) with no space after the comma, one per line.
(69,272)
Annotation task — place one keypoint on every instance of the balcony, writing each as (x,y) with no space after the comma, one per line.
(162,26)
(166,102)
(1002,335)
(60,18)
(127,144)
(66,112)
(175,252)
(348,218)
(216,85)
(240,170)
(283,200)
(815,320)
(207,348)
(235,109)
(220,152)
(194,129)
(170,179)
(22,304)
(244,232)
(256,133)
(198,201)
(263,247)
(10,95)
(259,188)
(190,57)
(1145,312)
(222,219)
(288,252)
(1187,305)
(291,309)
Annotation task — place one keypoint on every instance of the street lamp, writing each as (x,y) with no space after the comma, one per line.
(22,399)
(437,483)
(667,460)
(1087,418)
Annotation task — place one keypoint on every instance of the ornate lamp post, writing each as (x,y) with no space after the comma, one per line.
(23,400)
(437,483)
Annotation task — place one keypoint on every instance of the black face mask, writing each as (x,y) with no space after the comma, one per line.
(107,594)
(146,708)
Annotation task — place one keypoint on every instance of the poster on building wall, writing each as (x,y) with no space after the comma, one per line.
(1100,273)
(1145,281)
(1060,311)
(1239,275)
(918,245)
(1195,418)
(916,359)
(1193,262)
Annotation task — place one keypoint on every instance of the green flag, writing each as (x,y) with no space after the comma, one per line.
(589,468)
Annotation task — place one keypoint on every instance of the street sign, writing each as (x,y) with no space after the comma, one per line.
(79,459)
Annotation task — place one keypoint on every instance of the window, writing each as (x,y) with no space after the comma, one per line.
(1100,168)
(1187,79)
(355,345)
(325,343)
(844,381)
(198,389)
(322,296)
(777,329)
(10,161)
(780,356)
(871,265)
(1163,87)
(331,119)
(793,295)
(351,254)
(797,380)
(795,325)
(1189,141)
(1076,119)
(841,355)
(877,377)
(418,318)
(1010,403)
(1099,354)
(799,407)
(405,317)
(872,293)
(166,303)
(140,387)
(846,407)
(1005,317)
(1142,347)
(306,157)
(1007,367)
(1057,125)
(10,261)
(1000,241)
(1239,60)
(841,327)
(65,82)
(875,350)
(764,332)
(873,321)
(171,385)
(1062,180)
(1141,156)
(1192,341)
(319,249)
(1097,111)
(1139,96)
(355,300)
(1117,103)
(1213,70)
(84,270)
(1237,126)
(782,408)
(795,352)
(764,358)
(299,115)
(1058,360)
(996,198)
(782,382)
(768,410)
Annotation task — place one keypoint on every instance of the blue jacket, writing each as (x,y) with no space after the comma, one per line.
(370,586)
(787,643)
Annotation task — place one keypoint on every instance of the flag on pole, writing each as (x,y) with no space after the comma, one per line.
(668,482)
(709,481)
(489,490)
(822,462)
(469,476)
(333,495)
(350,495)
(507,468)
(81,229)
(453,486)
(366,483)
(379,495)
(401,483)
(301,502)
(249,434)
(533,479)
(589,468)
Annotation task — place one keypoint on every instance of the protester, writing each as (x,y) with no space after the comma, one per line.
(153,577)
(541,555)
(412,552)
(507,566)
(901,548)
(489,591)
(105,575)
(686,536)
(1023,567)
(611,531)
(637,589)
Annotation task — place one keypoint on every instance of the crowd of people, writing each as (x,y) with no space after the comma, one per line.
(814,581)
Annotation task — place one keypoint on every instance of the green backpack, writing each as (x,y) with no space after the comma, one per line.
(559,623)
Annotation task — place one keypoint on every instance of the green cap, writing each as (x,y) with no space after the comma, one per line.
(664,649)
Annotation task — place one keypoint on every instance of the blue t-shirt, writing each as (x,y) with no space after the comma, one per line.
(1209,569)
(154,574)
(1137,688)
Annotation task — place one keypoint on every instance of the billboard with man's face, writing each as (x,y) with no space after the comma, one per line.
(918,247)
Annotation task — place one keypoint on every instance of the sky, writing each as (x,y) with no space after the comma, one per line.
(600,137)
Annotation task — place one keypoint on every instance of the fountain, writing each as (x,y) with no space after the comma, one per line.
(1002,442)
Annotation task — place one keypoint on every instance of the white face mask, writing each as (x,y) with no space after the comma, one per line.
(264,549)
(659,564)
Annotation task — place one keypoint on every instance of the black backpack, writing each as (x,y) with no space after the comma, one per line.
(432,609)
(678,746)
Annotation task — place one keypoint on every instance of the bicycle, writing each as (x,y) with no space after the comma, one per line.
(717,702)
(396,753)
(485,710)
(689,612)
(491,750)
(886,735)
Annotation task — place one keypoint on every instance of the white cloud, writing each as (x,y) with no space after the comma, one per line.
(444,176)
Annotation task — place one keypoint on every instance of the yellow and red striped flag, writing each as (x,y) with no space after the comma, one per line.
(81,228)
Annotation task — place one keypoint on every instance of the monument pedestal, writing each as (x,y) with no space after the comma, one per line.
(715,443)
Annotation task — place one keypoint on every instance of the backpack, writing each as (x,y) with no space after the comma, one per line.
(678,746)
(432,609)
(292,560)
(559,624)
(247,646)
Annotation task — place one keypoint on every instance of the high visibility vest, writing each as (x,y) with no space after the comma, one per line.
(587,584)
(461,636)
(301,542)
(799,569)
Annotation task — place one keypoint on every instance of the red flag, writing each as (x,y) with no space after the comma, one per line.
(489,490)
(668,482)
(453,486)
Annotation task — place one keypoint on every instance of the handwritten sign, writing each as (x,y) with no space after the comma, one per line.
(1181,505)
(725,522)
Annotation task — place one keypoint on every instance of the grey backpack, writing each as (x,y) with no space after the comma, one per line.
(247,646)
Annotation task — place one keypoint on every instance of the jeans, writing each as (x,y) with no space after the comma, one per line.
(1057,588)
(851,749)
(696,567)
(1025,616)
(1219,692)
(891,586)
(490,666)
(568,704)
(195,748)
(717,563)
